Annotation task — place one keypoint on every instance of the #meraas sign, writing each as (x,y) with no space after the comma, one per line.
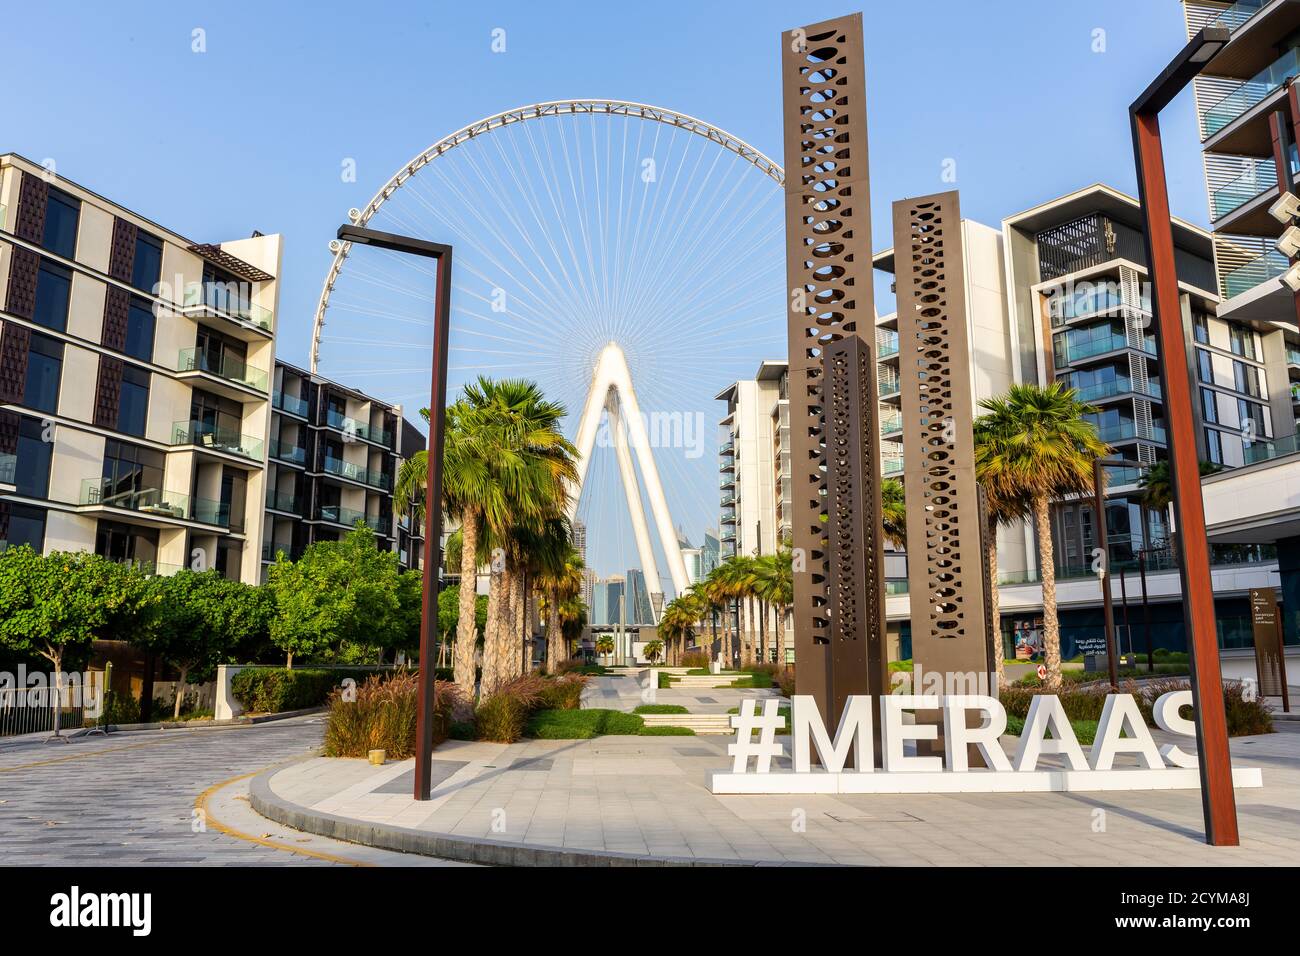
(1047,731)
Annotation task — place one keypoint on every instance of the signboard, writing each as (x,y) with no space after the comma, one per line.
(1270,655)
(969,722)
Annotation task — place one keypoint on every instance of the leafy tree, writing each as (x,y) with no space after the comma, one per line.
(1035,446)
(1157,483)
(449,613)
(58,604)
(339,591)
(893,512)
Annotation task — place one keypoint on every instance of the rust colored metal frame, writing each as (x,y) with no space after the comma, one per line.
(946,561)
(428,690)
(829,277)
(855,530)
(1217,797)
(1281,126)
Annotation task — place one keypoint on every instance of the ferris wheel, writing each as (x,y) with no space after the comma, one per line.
(577,224)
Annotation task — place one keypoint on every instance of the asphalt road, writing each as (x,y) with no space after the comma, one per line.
(161,798)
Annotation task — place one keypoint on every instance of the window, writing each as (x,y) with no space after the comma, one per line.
(130,469)
(139,330)
(214,415)
(53,288)
(1213,446)
(234,496)
(1201,328)
(223,291)
(218,354)
(26,526)
(1209,406)
(1242,341)
(1204,367)
(1251,416)
(1247,379)
(44,369)
(133,407)
(125,543)
(146,270)
(230,556)
(34,455)
(61,214)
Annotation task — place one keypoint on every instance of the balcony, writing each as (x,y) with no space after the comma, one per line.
(219,300)
(283,451)
(727,500)
(8,468)
(728,536)
(285,501)
(727,466)
(1258,451)
(358,429)
(214,438)
(887,385)
(290,403)
(727,483)
(1129,431)
(153,503)
(892,466)
(891,424)
(727,448)
(1237,14)
(1259,177)
(1292,356)
(1068,353)
(270,551)
(227,368)
(336,514)
(1251,93)
(1087,300)
(345,469)
(886,343)
(1116,387)
(1260,269)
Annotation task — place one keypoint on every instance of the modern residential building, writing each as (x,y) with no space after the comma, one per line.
(699,561)
(332,457)
(608,604)
(639,610)
(747,457)
(135,380)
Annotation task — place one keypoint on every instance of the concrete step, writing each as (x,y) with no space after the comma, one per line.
(701,681)
(700,723)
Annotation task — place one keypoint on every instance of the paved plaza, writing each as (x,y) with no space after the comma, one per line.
(630,799)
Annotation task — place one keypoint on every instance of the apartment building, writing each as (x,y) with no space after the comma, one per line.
(748,458)
(332,457)
(134,380)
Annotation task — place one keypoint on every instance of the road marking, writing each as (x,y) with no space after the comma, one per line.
(201,804)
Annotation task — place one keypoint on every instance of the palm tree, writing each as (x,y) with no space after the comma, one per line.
(1157,483)
(774,584)
(893,511)
(1037,446)
(557,577)
(653,650)
(471,495)
(605,645)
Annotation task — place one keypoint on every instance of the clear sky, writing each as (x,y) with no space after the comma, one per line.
(253,133)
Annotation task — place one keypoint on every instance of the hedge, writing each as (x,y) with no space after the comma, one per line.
(265,690)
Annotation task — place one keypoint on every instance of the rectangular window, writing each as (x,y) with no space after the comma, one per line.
(53,289)
(1242,341)
(146,270)
(1247,379)
(1204,367)
(133,407)
(44,370)
(139,330)
(1213,447)
(26,526)
(61,215)
(125,543)
(34,456)
(1252,413)
(1201,327)
(1209,406)
(130,469)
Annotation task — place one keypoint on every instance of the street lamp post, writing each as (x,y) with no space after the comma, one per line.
(1214,760)
(428,692)
(1107,602)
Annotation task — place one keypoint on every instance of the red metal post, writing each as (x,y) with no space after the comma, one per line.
(1217,797)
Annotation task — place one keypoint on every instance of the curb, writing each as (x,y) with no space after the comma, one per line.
(427,843)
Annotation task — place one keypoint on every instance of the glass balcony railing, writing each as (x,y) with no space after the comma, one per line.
(1292,356)
(227,367)
(892,466)
(350,426)
(1127,430)
(227,301)
(284,451)
(891,424)
(1068,352)
(727,483)
(1237,14)
(887,385)
(347,516)
(1088,299)
(886,343)
(728,500)
(1260,176)
(728,536)
(1252,92)
(345,469)
(896,585)
(154,501)
(1258,451)
(270,550)
(149,501)
(1117,477)
(727,466)
(290,403)
(216,438)
(1260,269)
(8,468)
(1118,386)
(727,448)
(283,501)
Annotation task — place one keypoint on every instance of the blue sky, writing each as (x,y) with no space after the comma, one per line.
(252,133)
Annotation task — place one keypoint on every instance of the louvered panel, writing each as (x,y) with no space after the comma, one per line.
(8,434)
(20,299)
(33,193)
(117,308)
(108,391)
(14,345)
(121,256)
(1209,92)
(1234,252)
(1197,16)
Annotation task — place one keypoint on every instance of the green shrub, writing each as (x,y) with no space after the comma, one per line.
(1084,730)
(383,716)
(665,682)
(660,709)
(562,693)
(695,659)
(665,732)
(582,724)
(787,682)
(273,690)
(502,716)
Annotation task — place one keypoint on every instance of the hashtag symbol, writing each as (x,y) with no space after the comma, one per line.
(745,723)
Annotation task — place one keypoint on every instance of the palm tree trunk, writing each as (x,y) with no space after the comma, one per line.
(780,636)
(1047,563)
(492,664)
(180,694)
(466,632)
(762,632)
(995,614)
(553,632)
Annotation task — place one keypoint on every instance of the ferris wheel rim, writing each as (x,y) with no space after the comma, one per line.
(573,107)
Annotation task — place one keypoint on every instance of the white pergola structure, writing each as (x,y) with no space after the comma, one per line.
(611,391)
